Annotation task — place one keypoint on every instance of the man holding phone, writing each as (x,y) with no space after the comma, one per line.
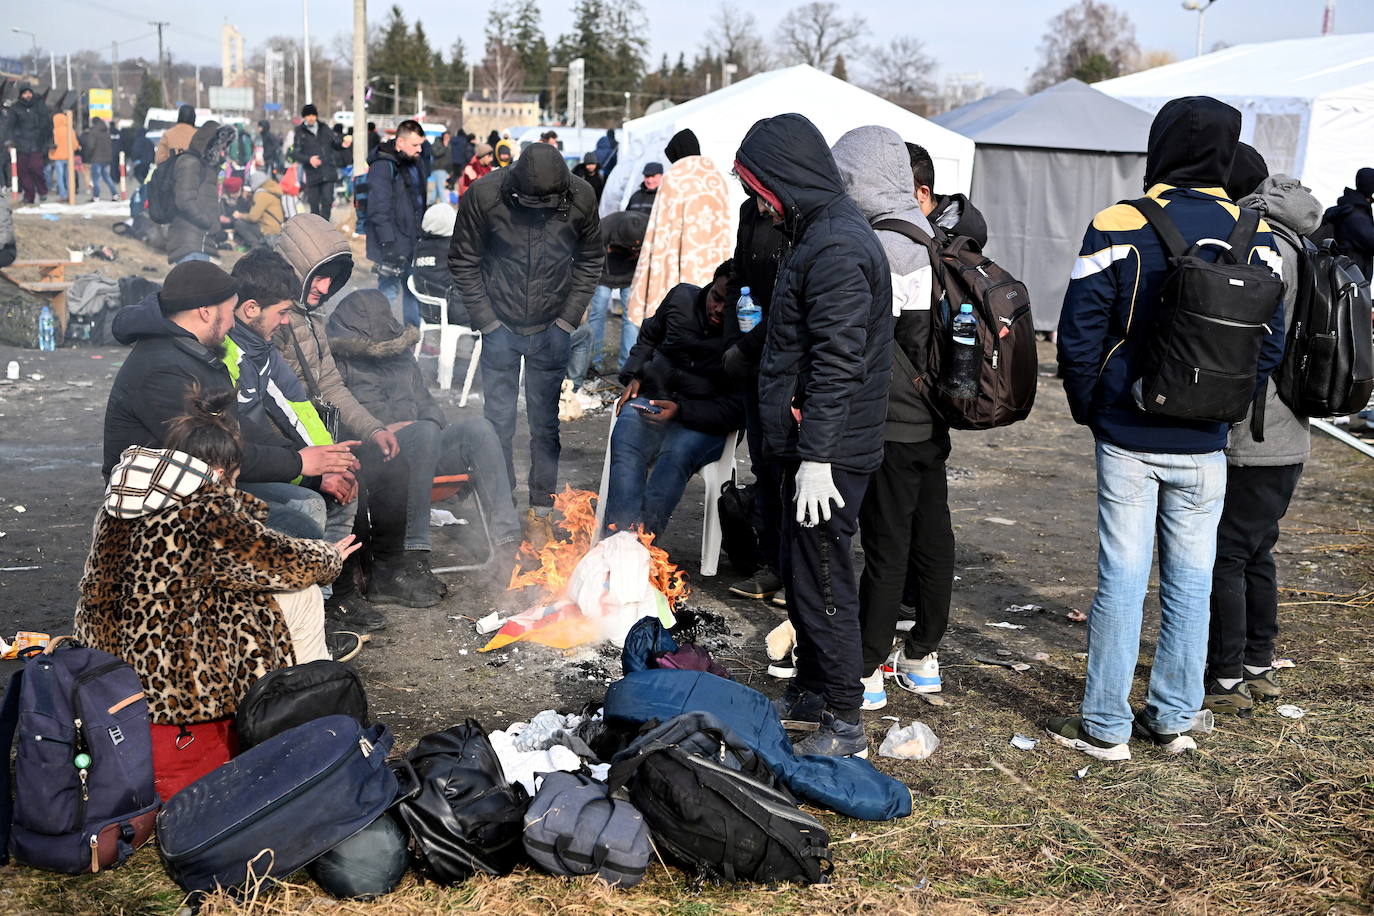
(682,406)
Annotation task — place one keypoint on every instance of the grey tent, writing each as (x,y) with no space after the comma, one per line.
(1043,166)
(956,118)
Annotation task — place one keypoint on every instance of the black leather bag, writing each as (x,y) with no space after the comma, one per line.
(737,536)
(462,815)
(292,696)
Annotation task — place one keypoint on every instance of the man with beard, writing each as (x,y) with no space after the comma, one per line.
(397,180)
(29,131)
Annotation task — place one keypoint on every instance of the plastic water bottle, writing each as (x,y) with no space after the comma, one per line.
(961,374)
(47,329)
(747,311)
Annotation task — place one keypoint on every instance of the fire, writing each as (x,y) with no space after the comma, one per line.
(552,563)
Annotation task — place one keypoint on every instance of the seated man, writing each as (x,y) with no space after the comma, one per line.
(259,223)
(373,353)
(677,407)
(177,336)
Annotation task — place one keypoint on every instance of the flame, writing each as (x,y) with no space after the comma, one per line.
(552,562)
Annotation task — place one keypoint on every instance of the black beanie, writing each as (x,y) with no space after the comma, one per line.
(683,144)
(193,285)
(1248,170)
(310,109)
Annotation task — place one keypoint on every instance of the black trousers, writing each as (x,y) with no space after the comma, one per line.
(1245,592)
(320,197)
(822,593)
(767,484)
(906,525)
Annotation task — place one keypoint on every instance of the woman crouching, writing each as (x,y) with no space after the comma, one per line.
(187,584)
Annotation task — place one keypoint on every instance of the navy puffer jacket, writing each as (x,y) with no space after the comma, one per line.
(828,349)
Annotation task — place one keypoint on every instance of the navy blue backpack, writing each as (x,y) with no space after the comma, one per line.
(84,796)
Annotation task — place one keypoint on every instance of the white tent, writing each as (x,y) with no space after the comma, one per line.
(1307,103)
(721,119)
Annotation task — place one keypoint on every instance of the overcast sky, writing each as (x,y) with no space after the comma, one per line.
(995,38)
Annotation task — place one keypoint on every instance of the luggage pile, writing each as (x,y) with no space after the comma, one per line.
(680,765)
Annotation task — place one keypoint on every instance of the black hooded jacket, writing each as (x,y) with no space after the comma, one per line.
(1192,143)
(195,193)
(375,356)
(759,247)
(30,124)
(527,250)
(150,391)
(623,232)
(395,203)
(1248,169)
(1353,225)
(683,144)
(828,346)
(678,357)
(321,142)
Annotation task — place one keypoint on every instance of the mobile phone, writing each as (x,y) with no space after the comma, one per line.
(645,407)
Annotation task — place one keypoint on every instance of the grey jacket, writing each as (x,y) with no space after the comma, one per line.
(1292,212)
(876,170)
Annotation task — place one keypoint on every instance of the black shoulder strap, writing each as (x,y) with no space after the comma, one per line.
(308,376)
(1174,243)
(9,719)
(1243,235)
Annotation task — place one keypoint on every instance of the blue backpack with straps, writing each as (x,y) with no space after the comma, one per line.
(83,797)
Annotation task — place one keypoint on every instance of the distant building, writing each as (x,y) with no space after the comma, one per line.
(482,113)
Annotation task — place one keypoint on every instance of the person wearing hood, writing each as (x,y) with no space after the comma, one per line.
(397,182)
(1352,223)
(525,258)
(375,356)
(97,151)
(314,146)
(177,137)
(644,196)
(590,172)
(270,144)
(1155,473)
(684,143)
(1264,459)
(64,147)
(177,336)
(262,223)
(823,383)
(505,153)
(607,151)
(429,267)
(623,234)
(480,164)
(28,128)
(195,195)
(188,584)
(905,516)
(952,214)
(138,153)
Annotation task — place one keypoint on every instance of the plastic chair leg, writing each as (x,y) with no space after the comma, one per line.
(448,353)
(472,371)
(605,484)
(714,476)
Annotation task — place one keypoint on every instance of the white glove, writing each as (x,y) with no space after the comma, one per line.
(815,492)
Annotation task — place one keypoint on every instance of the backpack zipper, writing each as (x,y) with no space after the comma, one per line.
(79,743)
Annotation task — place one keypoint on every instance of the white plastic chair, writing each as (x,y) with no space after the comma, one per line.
(713,476)
(449,335)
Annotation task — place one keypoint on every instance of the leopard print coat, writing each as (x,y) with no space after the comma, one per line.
(185,596)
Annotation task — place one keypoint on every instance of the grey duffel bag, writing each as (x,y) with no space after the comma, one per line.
(572,828)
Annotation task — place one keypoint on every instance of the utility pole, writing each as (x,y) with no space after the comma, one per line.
(52,70)
(114,79)
(396,94)
(161,60)
(627,106)
(359,87)
(305,17)
(295,81)
(1329,17)
(69,73)
(727,73)
(197,85)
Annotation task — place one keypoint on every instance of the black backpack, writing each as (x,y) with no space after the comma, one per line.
(738,538)
(1328,364)
(162,205)
(1202,359)
(292,696)
(715,820)
(1006,331)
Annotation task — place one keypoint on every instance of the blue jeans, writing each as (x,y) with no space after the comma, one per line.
(1139,494)
(436,192)
(293,510)
(596,320)
(546,362)
(193,256)
(100,171)
(650,466)
(57,177)
(391,287)
(469,446)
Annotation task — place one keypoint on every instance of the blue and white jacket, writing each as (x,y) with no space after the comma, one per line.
(1109,315)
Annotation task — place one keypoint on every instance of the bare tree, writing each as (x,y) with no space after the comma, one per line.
(735,36)
(902,72)
(500,72)
(1091,40)
(818,32)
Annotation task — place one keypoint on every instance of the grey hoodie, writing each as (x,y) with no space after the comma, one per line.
(876,171)
(1292,212)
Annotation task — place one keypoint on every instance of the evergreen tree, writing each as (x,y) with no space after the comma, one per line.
(611,40)
(840,71)
(527,39)
(401,52)
(451,77)
(149,96)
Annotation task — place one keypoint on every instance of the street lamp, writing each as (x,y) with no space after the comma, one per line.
(1201,7)
(35,45)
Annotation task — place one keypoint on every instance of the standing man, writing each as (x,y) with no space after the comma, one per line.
(314,148)
(177,137)
(1154,473)
(397,183)
(1352,222)
(823,382)
(195,192)
(30,133)
(97,149)
(643,197)
(526,256)
(905,515)
(271,149)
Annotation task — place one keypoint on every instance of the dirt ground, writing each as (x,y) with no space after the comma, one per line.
(1023,506)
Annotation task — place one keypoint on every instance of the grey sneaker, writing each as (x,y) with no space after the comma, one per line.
(1069,731)
(1236,700)
(799,708)
(1166,742)
(762,584)
(834,738)
(1264,686)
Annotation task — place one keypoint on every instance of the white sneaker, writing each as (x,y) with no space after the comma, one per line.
(875,697)
(921,675)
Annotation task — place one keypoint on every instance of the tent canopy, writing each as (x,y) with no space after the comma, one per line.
(1071,115)
(721,119)
(1307,103)
(956,118)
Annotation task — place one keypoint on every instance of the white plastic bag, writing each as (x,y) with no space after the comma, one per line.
(611,584)
(912,742)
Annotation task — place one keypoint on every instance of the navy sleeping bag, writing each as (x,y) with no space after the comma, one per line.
(848,785)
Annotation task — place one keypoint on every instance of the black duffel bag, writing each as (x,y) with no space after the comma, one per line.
(462,815)
(292,696)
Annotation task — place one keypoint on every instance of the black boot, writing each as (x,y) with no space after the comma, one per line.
(394,581)
(418,562)
(347,609)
